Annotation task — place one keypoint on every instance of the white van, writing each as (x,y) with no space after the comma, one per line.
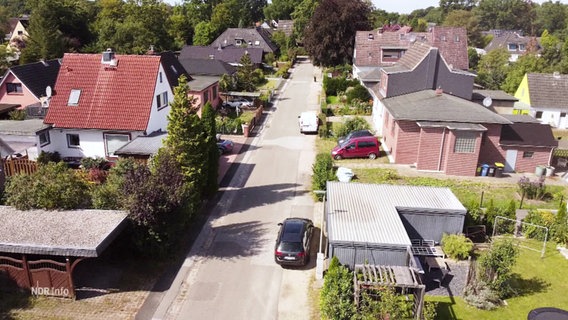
(308,122)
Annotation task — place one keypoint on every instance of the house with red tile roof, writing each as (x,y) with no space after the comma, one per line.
(102,101)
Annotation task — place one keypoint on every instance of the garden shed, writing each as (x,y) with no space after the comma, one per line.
(378,224)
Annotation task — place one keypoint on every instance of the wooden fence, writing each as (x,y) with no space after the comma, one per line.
(16,166)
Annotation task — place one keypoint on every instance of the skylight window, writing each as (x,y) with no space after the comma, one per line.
(74,97)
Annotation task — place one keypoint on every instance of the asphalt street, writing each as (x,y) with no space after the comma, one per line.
(230,272)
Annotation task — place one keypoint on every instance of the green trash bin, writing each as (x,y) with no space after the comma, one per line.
(539,171)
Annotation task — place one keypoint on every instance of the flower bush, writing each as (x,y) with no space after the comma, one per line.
(532,189)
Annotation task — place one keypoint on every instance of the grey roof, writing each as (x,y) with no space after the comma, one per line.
(548,90)
(506,37)
(516,118)
(22,128)
(228,54)
(493,94)
(79,233)
(412,58)
(426,105)
(528,134)
(207,67)
(249,36)
(143,145)
(199,83)
(173,68)
(369,213)
(370,74)
(37,76)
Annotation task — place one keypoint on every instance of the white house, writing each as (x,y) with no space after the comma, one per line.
(102,101)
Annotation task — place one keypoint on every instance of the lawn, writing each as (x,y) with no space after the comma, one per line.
(539,283)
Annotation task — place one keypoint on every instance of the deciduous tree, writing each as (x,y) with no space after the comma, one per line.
(332,29)
(493,68)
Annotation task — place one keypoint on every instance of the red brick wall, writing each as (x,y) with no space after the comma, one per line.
(429,148)
(461,164)
(491,152)
(407,139)
(540,158)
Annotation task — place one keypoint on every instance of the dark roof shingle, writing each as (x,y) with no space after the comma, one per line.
(528,134)
(548,90)
(38,75)
(229,54)
(426,105)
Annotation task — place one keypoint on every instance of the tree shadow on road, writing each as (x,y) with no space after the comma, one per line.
(236,240)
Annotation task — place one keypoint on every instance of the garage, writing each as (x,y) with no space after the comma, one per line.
(378,224)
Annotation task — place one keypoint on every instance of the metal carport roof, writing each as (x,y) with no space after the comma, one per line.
(368,213)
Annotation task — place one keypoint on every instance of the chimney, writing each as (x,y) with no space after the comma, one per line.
(108,55)
(151,50)
(439,91)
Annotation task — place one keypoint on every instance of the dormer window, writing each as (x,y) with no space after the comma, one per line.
(238,42)
(522,47)
(512,46)
(74,97)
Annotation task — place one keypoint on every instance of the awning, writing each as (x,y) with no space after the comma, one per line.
(241,94)
(452,125)
(7,107)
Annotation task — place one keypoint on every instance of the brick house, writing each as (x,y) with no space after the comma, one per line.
(421,68)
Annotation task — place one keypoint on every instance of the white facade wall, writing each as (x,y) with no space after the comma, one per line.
(91,142)
(159,118)
(552,117)
(378,114)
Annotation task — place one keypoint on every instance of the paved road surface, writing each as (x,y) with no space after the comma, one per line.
(230,272)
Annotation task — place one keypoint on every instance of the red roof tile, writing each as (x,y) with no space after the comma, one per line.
(111,98)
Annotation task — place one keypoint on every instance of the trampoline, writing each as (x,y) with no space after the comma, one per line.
(548,314)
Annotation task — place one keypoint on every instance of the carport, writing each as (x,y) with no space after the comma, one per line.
(40,249)
(377,224)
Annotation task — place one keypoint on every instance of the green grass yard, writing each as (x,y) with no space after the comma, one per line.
(538,282)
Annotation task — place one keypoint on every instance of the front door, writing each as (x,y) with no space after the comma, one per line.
(510,160)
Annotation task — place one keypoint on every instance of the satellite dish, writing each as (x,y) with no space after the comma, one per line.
(487,102)
(48,91)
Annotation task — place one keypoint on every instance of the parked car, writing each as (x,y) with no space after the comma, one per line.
(225,146)
(354,134)
(238,102)
(308,122)
(360,147)
(293,242)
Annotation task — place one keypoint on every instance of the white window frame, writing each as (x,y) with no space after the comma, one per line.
(74,97)
(111,149)
(514,46)
(162,100)
(465,141)
(69,144)
(46,139)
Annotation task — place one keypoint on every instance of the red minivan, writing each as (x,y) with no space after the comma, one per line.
(360,147)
